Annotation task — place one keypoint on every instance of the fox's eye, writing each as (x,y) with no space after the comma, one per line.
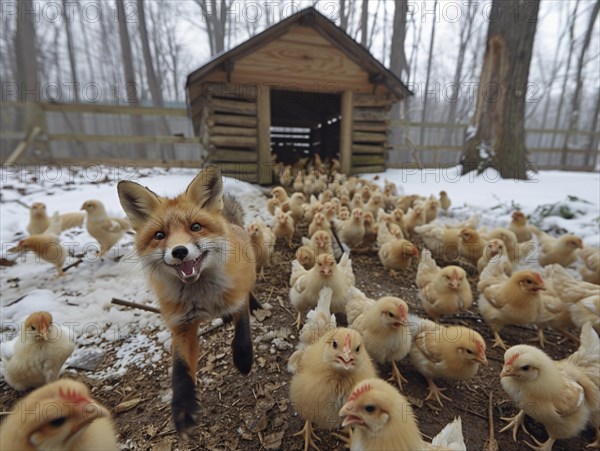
(334,343)
(195,227)
(370,408)
(58,422)
(525,367)
(159,235)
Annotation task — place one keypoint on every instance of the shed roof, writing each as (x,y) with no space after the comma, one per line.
(310,17)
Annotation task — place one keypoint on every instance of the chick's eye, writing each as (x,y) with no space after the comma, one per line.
(469,351)
(358,349)
(525,367)
(390,314)
(195,227)
(160,235)
(58,422)
(370,408)
(334,343)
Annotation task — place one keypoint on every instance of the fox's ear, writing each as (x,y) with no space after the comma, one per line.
(137,201)
(207,189)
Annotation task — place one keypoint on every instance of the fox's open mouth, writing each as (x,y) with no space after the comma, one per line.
(189,271)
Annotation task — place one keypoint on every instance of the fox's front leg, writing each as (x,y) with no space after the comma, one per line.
(185,359)
(242,342)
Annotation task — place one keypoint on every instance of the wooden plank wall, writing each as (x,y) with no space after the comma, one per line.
(228,129)
(370,122)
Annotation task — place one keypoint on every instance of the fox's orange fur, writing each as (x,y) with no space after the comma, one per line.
(201,266)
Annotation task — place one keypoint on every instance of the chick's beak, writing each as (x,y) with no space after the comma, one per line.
(483,360)
(347,412)
(506,372)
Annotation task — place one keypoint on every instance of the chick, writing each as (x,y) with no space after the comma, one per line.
(384,328)
(414,217)
(318,244)
(397,254)
(374,204)
(562,395)
(38,354)
(494,248)
(324,376)
(319,322)
(370,228)
(442,241)
(517,252)
(352,231)
(107,231)
(262,240)
(431,206)
(562,250)
(306,285)
(383,420)
(442,291)
(319,222)
(46,246)
(451,352)
(39,220)
(470,245)
(583,298)
(60,415)
(518,225)
(296,202)
(504,300)
(590,272)
(284,226)
(445,201)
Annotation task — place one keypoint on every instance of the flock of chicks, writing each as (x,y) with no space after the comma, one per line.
(44,231)
(60,414)
(334,381)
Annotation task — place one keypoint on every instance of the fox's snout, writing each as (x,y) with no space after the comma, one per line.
(180,252)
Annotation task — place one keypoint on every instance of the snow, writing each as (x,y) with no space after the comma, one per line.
(80,301)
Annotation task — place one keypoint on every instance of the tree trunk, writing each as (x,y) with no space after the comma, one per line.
(591,156)
(153,83)
(465,37)
(26,49)
(567,70)
(426,89)
(496,136)
(343,15)
(364,23)
(129,74)
(576,99)
(399,66)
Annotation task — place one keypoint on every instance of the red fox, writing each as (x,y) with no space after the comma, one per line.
(201,265)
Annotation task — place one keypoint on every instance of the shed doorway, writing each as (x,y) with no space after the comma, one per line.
(304,124)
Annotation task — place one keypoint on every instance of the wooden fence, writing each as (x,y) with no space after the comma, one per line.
(92,133)
(443,145)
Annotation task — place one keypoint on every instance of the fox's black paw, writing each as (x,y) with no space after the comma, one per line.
(184,404)
(242,345)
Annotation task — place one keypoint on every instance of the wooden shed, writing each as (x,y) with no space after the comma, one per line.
(300,87)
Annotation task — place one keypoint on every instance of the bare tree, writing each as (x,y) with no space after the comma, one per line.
(153,83)
(399,64)
(131,86)
(344,14)
(26,50)
(364,23)
(496,136)
(570,53)
(215,19)
(591,156)
(426,89)
(465,37)
(576,99)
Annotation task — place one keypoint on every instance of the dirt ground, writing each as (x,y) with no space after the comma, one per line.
(254,412)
